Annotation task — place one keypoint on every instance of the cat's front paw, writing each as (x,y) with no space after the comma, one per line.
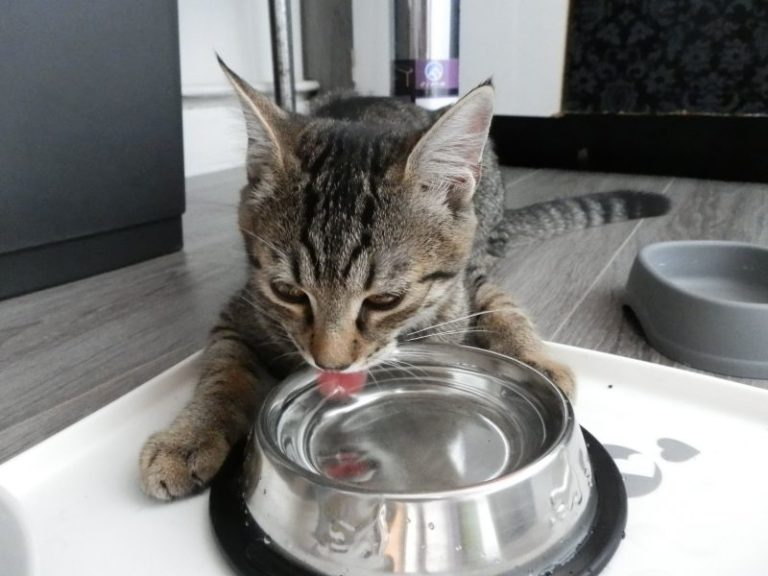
(175,463)
(559,373)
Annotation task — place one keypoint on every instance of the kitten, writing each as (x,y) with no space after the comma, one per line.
(364,223)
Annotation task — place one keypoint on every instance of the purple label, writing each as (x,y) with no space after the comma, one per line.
(425,78)
(437,74)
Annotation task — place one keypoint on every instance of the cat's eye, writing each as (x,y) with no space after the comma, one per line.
(383,301)
(289,293)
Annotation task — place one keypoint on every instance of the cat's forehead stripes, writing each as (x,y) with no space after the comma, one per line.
(296,268)
(371,276)
(344,166)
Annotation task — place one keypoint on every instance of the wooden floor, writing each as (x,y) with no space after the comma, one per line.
(66,351)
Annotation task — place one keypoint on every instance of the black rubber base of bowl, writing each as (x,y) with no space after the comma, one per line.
(243,542)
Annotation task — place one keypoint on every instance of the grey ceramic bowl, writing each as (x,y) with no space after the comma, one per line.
(451,461)
(704,303)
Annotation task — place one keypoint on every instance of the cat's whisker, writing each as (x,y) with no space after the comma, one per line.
(265,241)
(291,340)
(270,342)
(390,364)
(291,354)
(277,338)
(374,379)
(325,399)
(404,366)
(250,302)
(459,319)
(264,313)
(448,333)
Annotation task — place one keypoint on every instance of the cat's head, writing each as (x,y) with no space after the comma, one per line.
(358,233)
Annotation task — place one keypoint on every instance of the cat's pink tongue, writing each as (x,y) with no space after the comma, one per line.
(340,384)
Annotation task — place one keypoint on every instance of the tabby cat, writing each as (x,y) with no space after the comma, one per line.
(368,223)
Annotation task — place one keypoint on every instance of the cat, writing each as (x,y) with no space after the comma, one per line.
(365,224)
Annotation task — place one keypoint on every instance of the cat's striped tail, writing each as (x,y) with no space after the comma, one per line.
(547,219)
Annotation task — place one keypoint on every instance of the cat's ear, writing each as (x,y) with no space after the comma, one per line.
(446,161)
(265,124)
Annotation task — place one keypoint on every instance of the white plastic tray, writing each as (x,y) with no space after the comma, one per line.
(693,449)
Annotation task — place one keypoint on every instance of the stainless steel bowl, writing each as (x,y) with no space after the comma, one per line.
(452,460)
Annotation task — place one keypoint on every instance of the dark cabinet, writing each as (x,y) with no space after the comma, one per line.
(91,162)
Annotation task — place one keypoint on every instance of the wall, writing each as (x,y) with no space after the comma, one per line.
(372,46)
(688,56)
(520,43)
(327,42)
(214,135)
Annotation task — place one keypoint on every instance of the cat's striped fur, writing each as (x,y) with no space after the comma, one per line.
(365,224)
(547,219)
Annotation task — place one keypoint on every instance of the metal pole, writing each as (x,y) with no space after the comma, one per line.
(282,53)
(426,63)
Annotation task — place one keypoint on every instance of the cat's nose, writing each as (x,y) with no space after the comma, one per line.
(332,349)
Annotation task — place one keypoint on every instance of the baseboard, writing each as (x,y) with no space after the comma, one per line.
(44,266)
(711,147)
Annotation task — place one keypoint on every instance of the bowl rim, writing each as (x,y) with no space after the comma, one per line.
(644,259)
(267,447)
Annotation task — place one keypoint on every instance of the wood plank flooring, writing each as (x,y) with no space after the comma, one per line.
(66,351)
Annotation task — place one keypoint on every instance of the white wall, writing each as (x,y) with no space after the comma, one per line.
(372,50)
(520,43)
(214,134)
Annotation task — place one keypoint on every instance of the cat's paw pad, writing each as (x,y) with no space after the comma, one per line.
(176,464)
(559,373)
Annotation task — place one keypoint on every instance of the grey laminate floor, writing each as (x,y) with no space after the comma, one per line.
(66,351)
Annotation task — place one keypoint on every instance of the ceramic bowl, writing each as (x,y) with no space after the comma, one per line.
(704,303)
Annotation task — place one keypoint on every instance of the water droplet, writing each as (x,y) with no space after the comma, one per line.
(586,468)
(431,525)
(458,548)
(559,506)
(267,540)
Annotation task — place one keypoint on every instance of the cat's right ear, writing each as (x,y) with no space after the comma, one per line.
(265,122)
(447,159)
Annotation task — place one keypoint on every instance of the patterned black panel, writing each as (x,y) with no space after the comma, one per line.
(661,56)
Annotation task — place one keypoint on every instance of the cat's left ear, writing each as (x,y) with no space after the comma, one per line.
(447,159)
